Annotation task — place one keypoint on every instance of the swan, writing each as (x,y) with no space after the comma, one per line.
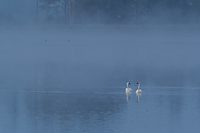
(127,90)
(138,90)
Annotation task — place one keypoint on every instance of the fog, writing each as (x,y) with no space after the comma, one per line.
(94,58)
(155,43)
(78,12)
(65,65)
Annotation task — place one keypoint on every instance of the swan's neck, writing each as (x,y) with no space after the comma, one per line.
(127,85)
(138,86)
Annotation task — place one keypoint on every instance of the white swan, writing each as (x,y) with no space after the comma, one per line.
(138,90)
(127,90)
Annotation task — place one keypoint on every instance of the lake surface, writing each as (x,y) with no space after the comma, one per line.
(53,81)
(105,109)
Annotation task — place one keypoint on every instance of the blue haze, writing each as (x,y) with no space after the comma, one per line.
(58,81)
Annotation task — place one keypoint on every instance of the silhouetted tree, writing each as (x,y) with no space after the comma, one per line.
(47,5)
(116,11)
(71,5)
(36,11)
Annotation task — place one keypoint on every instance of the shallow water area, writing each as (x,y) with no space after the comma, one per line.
(106,109)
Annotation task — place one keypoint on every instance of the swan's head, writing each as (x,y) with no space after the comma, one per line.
(128,83)
(138,83)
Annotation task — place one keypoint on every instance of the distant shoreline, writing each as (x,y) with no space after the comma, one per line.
(120,28)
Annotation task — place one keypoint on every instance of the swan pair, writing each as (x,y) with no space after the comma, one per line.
(130,90)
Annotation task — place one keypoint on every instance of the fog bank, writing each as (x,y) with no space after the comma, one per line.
(109,57)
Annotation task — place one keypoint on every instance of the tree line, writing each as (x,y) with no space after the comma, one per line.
(118,11)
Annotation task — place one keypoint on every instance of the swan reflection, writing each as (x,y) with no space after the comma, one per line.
(127,93)
(128,90)
(138,94)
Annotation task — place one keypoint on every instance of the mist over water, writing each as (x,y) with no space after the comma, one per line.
(74,80)
(99,57)
(64,65)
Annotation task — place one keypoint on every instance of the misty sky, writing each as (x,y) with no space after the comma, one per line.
(22,9)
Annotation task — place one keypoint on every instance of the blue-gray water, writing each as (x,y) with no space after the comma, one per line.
(75,82)
(103,109)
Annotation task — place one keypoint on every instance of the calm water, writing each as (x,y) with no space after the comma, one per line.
(108,109)
(75,82)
